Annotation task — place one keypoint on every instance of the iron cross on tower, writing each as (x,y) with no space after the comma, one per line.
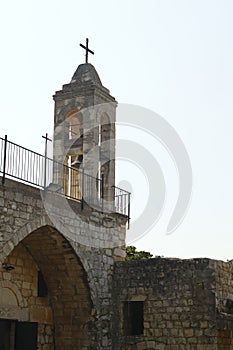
(87,49)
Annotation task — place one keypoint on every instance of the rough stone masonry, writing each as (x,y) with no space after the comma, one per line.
(187,304)
(64,281)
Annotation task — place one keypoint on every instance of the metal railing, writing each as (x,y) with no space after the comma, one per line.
(43,172)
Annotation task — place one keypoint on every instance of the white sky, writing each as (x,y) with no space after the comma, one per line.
(172,56)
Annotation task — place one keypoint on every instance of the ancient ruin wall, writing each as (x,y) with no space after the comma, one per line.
(97,239)
(178,304)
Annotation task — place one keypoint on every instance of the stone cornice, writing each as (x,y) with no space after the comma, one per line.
(88,89)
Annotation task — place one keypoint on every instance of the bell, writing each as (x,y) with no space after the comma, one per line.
(77,163)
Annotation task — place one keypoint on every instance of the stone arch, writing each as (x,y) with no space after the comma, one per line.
(36,224)
(9,305)
(9,302)
(7,297)
(14,290)
(74,120)
(23,232)
(71,106)
(69,295)
(74,132)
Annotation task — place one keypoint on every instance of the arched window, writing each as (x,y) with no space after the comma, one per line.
(105,148)
(105,128)
(75,125)
(74,156)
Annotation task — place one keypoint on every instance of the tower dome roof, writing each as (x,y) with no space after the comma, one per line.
(86,73)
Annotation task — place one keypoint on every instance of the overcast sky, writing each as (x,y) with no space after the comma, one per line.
(171,56)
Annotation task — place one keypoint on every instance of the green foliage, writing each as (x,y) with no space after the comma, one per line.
(133,254)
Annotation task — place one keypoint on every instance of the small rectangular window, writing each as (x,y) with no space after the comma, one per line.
(42,289)
(133,317)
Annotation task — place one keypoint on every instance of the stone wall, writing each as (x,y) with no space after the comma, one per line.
(179,304)
(187,304)
(224,304)
(80,246)
(22,281)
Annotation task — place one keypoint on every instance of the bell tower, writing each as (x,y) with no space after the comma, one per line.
(84,135)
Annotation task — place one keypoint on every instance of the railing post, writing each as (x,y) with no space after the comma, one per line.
(114,199)
(45,168)
(128,211)
(83,189)
(45,157)
(102,192)
(4,161)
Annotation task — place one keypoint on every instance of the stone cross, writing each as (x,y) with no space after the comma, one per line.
(87,49)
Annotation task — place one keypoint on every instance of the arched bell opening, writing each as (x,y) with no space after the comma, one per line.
(45,301)
(107,156)
(74,121)
(74,155)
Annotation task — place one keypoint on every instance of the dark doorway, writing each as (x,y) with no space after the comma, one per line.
(26,336)
(133,317)
(5,334)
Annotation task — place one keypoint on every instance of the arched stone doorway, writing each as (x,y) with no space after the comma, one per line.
(46,286)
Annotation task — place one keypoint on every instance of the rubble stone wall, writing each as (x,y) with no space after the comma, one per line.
(97,240)
(178,299)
